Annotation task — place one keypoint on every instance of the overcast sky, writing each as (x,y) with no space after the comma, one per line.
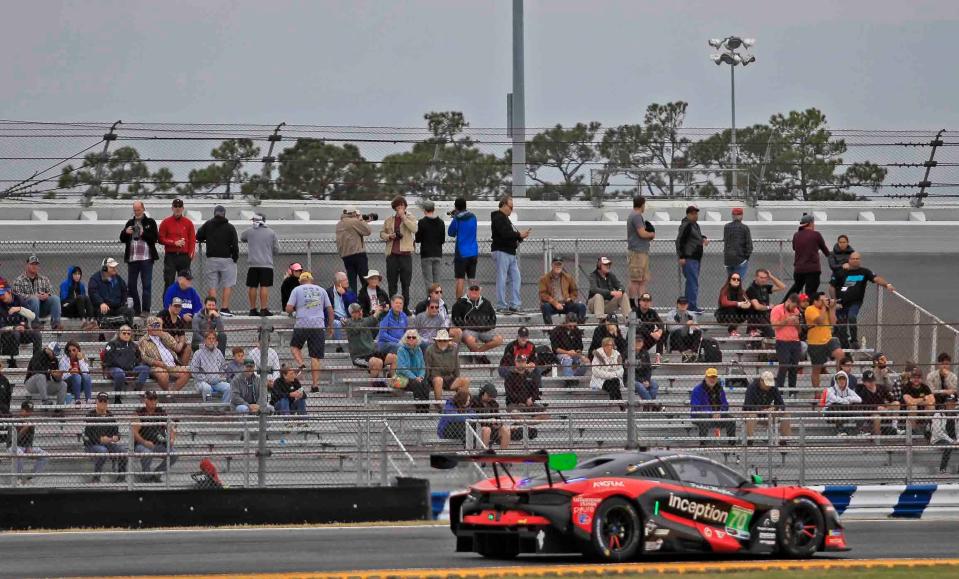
(866,63)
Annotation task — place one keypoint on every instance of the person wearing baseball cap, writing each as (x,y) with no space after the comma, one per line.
(183,289)
(763,399)
(807,243)
(108,291)
(876,397)
(709,408)
(606,292)
(690,243)
(290,282)
(222,253)
(916,395)
(37,292)
(262,244)
(312,325)
(178,236)
(737,245)
(558,293)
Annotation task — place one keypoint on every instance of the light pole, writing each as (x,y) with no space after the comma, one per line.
(729,54)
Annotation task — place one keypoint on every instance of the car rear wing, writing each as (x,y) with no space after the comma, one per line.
(556,461)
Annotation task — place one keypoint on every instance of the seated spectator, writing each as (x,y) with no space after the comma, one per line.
(492,431)
(876,397)
(36,291)
(44,377)
(411,368)
(475,316)
(121,361)
(15,329)
(158,350)
(523,386)
(520,346)
(245,387)
(558,293)
(759,294)
(733,304)
(74,301)
(456,411)
(684,333)
(207,368)
(917,396)
(151,436)
(644,385)
(108,292)
(392,327)
(208,320)
(102,436)
(651,330)
(943,383)
(435,293)
(428,323)
(176,326)
(607,369)
(183,288)
(272,363)
(25,447)
(372,297)
(442,360)
(341,296)
(235,366)
(709,407)
(610,329)
(886,376)
(606,293)
(847,365)
(567,343)
(77,372)
(360,332)
(6,394)
(290,282)
(764,401)
(287,394)
(840,398)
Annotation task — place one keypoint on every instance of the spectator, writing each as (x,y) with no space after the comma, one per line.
(372,297)
(609,328)
(846,365)
(521,346)
(37,294)
(139,237)
(350,231)
(314,312)
(820,317)
(430,234)
(476,317)
(785,320)
(643,384)
(393,327)
(222,253)
(916,395)
(807,243)
(341,296)
(607,370)
(290,282)
(690,242)
(44,377)
(158,350)
(287,395)
(207,368)
(709,407)
(153,433)
(886,377)
(77,372)
(14,329)
(877,398)
(428,323)
(235,366)
(74,301)
(208,320)
(463,229)
(848,286)
(178,236)
(108,292)
(245,387)
(492,431)
(101,436)
(737,244)
(456,411)
(841,400)
(272,364)
(684,333)
(505,241)
(558,293)
(411,368)
(435,294)
(25,447)
(840,255)
(639,233)
(605,291)
(399,234)
(759,293)
(442,359)
(651,330)
(944,384)
(523,384)
(733,305)
(567,342)
(190,298)
(262,245)
(360,334)
(121,359)
(177,327)
(765,401)
(6,394)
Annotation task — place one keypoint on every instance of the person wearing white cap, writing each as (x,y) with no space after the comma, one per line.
(763,399)
(108,291)
(262,245)
(372,297)
(606,292)
(350,231)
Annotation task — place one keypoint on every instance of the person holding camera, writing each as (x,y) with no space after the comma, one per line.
(431,235)
(463,229)
(350,231)
(820,317)
(399,234)
(140,236)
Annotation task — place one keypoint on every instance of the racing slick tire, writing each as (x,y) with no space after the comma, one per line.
(801,529)
(617,534)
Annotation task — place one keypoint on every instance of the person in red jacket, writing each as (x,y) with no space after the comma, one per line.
(178,237)
(807,243)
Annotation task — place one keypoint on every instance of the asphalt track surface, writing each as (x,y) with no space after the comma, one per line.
(92,553)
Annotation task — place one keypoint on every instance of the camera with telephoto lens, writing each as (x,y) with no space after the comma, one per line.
(370,217)
(452,212)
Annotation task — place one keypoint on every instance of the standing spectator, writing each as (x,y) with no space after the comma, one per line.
(246,390)
(463,228)
(607,370)
(158,350)
(411,368)
(651,330)
(178,236)
(733,305)
(442,359)
(684,335)
(139,237)
(290,282)
(77,372)
(840,254)
(841,399)
(372,297)
(709,407)
(848,286)
(262,245)
(506,240)
(605,291)
(820,317)
(208,320)
(521,346)
(350,231)
(189,298)
(807,243)
(876,398)
(567,342)
(222,253)
(944,384)
(44,377)
(14,325)
(287,394)
(785,319)
(207,368)
(737,244)
(121,359)
(609,328)
(916,395)
(558,293)
(759,294)
(108,291)
(36,291)
(475,316)
(25,447)
(177,327)
(639,233)
(690,242)
(360,335)
(399,234)
(74,301)
(764,401)
(430,234)
(313,313)
(102,436)
(151,435)
(341,297)
(392,327)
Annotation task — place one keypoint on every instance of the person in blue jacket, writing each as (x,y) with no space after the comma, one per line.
(411,369)
(708,405)
(456,411)
(392,327)
(74,301)
(183,288)
(463,228)
(108,292)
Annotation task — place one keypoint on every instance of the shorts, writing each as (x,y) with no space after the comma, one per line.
(464,267)
(364,361)
(259,277)
(819,355)
(638,265)
(481,336)
(219,272)
(314,338)
(447,381)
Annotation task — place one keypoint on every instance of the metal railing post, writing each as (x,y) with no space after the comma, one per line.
(934,344)
(131,451)
(879,311)
(576,262)
(802,452)
(359,452)
(916,320)
(309,255)
(546,257)
(261,452)
(909,426)
(169,450)
(14,479)
(246,453)
(383,472)
(629,380)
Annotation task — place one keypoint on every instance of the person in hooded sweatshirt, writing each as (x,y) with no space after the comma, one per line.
(75,303)
(841,398)
(463,229)
(222,253)
(840,254)
(262,245)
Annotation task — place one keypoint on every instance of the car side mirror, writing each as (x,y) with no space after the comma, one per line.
(757,480)
(562,461)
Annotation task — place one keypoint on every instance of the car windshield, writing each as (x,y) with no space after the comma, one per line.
(704,472)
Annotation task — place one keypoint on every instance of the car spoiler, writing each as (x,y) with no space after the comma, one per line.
(556,461)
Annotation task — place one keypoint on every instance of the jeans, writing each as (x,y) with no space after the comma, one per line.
(144,271)
(846,329)
(508,280)
(807,283)
(119,376)
(741,269)
(399,274)
(338,333)
(48,307)
(788,354)
(111,447)
(570,366)
(245,409)
(39,387)
(173,263)
(691,273)
(206,390)
(158,448)
(647,392)
(35,454)
(285,405)
(549,311)
(357,266)
(431,270)
(78,382)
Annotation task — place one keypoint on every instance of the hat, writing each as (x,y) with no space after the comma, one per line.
(33,259)
(488,388)
(110,262)
(804,297)
(557,259)
(350,209)
(26,405)
(150,395)
(605,260)
(612,319)
(178,202)
(102,396)
(645,297)
(176,302)
(917,372)
(679,300)
(185,274)
(737,211)
(442,336)
(296,267)
(249,362)
(306,276)
(868,376)
(767,379)
(219,210)
(474,286)
(427,205)
(373,273)
(712,373)
(807,219)
(3,286)
(55,348)
(258,218)
(522,332)
(692,209)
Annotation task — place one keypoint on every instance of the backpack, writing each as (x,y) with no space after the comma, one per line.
(710,352)
(736,376)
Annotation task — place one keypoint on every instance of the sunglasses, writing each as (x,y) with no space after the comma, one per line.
(734,279)
(434,307)
(125,333)
(155,326)
(410,337)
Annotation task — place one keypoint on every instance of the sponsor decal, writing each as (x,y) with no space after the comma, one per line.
(606,484)
(708,532)
(654,545)
(541,539)
(583,519)
(835,533)
(698,510)
(774,515)
(661,532)
(737,523)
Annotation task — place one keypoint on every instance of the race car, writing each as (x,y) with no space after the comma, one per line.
(618,506)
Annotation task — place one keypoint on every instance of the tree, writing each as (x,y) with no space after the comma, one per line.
(232,153)
(317,169)
(124,175)
(565,151)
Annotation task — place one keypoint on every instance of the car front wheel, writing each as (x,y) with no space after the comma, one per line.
(801,529)
(617,531)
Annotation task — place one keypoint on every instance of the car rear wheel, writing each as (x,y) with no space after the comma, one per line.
(802,529)
(617,531)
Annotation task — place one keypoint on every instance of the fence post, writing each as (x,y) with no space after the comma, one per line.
(576,261)
(629,380)
(358,459)
(879,302)
(261,452)
(131,451)
(916,320)
(246,453)
(12,434)
(802,452)
(309,255)
(383,457)
(909,427)
(934,344)
(546,257)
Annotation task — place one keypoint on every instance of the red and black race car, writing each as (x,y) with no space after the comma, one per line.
(618,506)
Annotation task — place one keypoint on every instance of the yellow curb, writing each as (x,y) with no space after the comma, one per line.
(576,570)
